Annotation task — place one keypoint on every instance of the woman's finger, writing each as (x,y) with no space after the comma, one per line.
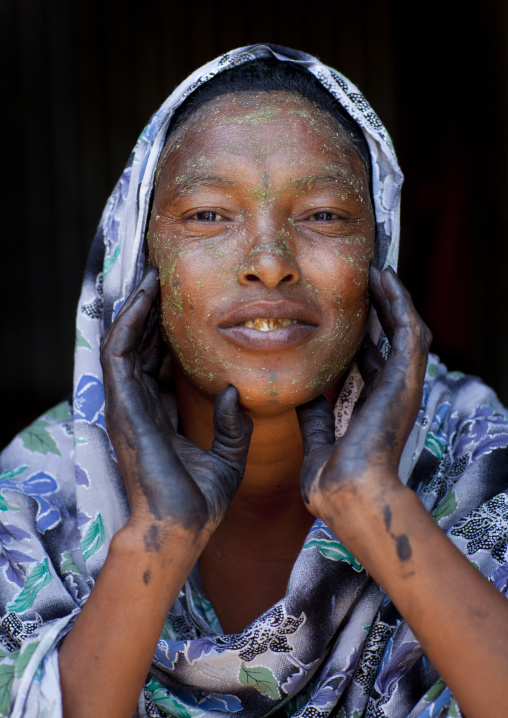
(149,270)
(370,362)
(408,334)
(391,299)
(232,430)
(152,348)
(379,430)
(129,326)
(317,424)
(400,321)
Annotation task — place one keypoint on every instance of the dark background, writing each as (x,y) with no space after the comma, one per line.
(80,79)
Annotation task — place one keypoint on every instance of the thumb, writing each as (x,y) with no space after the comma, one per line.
(317,424)
(232,430)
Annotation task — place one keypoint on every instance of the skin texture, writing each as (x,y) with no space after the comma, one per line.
(236,200)
(182,488)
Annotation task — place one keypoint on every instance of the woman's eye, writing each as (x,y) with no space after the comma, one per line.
(207,216)
(323,217)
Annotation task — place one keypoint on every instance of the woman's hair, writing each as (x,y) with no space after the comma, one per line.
(271,75)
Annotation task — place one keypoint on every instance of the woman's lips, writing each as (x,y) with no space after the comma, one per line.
(273,340)
(269,326)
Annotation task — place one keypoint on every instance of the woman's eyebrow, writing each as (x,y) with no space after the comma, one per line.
(185,186)
(313,181)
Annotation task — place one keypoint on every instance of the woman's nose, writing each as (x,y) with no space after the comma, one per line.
(271,263)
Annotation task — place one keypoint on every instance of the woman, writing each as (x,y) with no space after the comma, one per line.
(261,211)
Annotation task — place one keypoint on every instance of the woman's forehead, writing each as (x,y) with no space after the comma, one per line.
(259,107)
(266,122)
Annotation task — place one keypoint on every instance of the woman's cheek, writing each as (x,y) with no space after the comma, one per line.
(193,280)
(185,339)
(349,303)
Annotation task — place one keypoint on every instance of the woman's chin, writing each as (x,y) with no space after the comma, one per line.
(265,399)
(271,403)
(268,402)
(261,394)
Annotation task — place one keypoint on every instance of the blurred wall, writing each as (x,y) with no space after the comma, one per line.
(81,79)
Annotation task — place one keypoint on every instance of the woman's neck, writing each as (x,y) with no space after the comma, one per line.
(270,488)
(247,562)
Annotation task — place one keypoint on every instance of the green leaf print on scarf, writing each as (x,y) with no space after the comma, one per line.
(432,369)
(94,538)
(9,671)
(335,551)
(454,711)
(81,341)
(24,657)
(434,445)
(60,412)
(11,474)
(260,678)
(6,679)
(435,690)
(40,577)
(168,703)
(37,438)
(446,507)
(4,504)
(109,262)
(68,564)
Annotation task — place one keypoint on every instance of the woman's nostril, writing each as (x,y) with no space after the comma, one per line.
(252,278)
(287,278)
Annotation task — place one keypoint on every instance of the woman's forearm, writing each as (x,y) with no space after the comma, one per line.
(106,657)
(459,618)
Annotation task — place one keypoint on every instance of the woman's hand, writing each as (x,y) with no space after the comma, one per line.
(369,453)
(177,493)
(168,479)
(458,617)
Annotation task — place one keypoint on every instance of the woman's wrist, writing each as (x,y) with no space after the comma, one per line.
(347,506)
(161,545)
(146,567)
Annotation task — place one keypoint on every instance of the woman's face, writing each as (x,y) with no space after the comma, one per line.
(262,229)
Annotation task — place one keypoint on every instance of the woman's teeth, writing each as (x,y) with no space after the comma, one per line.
(266,325)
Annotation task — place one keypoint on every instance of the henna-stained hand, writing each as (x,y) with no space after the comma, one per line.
(372,446)
(168,479)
